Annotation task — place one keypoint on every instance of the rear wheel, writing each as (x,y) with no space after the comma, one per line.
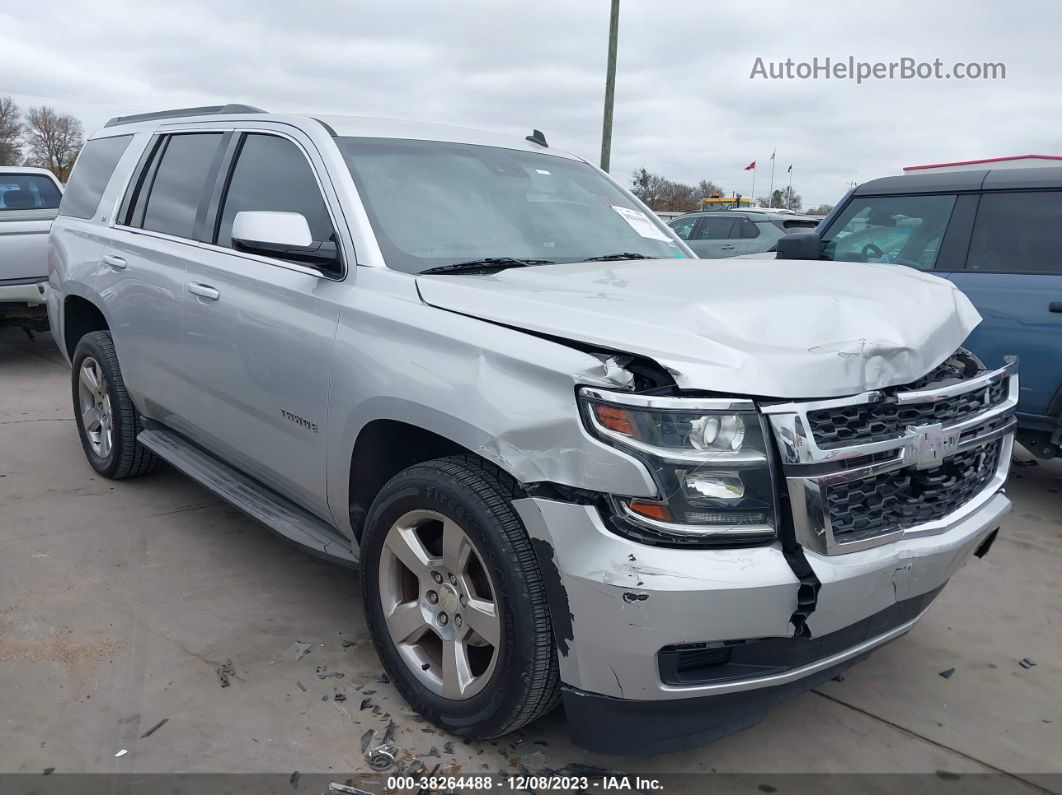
(454,599)
(106,419)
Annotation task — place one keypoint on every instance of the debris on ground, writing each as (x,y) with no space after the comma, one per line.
(154,728)
(415,767)
(296,650)
(340,697)
(123,752)
(334,787)
(224,671)
(448,747)
(48,771)
(346,644)
(535,761)
(434,751)
(331,675)
(383,679)
(1025,662)
(366,740)
(294,780)
(368,692)
(389,733)
(365,703)
(947,674)
(381,757)
(302,687)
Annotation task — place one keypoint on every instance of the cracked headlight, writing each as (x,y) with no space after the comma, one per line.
(708,456)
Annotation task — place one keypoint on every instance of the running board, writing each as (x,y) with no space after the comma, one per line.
(251,497)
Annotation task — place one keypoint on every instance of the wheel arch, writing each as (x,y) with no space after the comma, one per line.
(81,315)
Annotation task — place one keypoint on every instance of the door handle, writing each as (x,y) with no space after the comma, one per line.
(111,261)
(1055,306)
(203,291)
(727,248)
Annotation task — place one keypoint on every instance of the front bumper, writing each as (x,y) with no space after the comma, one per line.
(616,603)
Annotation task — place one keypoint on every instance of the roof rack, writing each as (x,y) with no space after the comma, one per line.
(206,110)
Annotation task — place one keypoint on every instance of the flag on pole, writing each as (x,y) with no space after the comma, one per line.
(772,153)
(751,166)
(790,169)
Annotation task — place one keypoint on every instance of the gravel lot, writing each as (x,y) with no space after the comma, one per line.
(119,600)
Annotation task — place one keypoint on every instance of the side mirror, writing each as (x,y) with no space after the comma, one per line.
(800,245)
(283,236)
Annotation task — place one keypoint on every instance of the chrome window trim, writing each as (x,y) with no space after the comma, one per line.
(922,446)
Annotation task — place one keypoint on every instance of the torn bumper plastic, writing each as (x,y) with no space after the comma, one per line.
(616,604)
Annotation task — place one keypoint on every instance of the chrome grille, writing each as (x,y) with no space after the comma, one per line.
(903,498)
(872,468)
(886,419)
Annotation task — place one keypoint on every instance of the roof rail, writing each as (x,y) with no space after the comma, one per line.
(206,110)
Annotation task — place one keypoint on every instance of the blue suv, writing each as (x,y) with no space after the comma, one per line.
(991,232)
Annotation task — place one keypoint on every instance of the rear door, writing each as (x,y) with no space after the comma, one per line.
(142,272)
(1013,275)
(258,331)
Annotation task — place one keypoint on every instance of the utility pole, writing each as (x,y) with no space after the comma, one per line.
(610,87)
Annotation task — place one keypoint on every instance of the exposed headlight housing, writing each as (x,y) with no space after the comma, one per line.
(708,456)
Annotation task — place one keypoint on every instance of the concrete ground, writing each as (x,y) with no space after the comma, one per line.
(118,601)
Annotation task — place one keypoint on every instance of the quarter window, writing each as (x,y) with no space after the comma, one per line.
(91,174)
(272,173)
(1015,233)
(179,185)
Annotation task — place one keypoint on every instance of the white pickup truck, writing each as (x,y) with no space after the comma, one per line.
(29,201)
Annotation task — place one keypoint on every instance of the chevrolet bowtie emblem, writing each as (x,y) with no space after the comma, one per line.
(931,444)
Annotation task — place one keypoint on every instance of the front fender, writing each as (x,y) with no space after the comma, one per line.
(507,396)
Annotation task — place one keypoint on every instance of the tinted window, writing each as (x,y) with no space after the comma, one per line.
(683,227)
(905,230)
(716,229)
(28,192)
(178,187)
(272,173)
(1017,233)
(91,174)
(748,229)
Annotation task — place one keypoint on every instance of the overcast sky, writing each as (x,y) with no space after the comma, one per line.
(685,104)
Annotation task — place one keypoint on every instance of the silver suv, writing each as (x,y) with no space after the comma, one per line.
(572,462)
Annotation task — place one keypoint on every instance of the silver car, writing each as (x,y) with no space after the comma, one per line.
(734,233)
(573,462)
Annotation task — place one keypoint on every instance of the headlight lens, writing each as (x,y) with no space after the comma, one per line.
(708,457)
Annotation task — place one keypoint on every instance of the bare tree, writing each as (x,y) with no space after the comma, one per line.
(822,209)
(664,195)
(53,140)
(10,130)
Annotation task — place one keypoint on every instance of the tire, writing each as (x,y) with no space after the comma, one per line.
(524,682)
(122,457)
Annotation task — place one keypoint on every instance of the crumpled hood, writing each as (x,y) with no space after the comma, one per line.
(775,328)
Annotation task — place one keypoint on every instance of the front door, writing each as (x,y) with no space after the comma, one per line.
(258,332)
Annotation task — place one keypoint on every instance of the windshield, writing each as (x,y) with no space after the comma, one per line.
(905,230)
(28,192)
(433,204)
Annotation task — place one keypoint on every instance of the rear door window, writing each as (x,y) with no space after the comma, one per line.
(28,192)
(903,230)
(90,176)
(1017,233)
(178,187)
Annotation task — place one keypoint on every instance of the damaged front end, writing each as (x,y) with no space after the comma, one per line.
(787,540)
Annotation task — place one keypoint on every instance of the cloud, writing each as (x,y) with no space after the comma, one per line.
(685,105)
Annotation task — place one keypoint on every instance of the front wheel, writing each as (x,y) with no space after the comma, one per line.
(454,600)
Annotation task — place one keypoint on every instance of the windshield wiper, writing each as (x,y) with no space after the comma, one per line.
(487,265)
(623,255)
